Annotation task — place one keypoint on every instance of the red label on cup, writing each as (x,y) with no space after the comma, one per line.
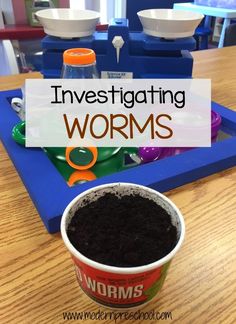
(119,290)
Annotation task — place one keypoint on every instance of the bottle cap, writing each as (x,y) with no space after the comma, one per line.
(80,56)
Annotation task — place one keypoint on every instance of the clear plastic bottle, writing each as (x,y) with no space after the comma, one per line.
(79,63)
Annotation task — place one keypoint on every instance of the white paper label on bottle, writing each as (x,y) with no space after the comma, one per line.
(116,75)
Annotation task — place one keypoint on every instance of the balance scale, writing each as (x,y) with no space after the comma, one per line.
(120,54)
(124,54)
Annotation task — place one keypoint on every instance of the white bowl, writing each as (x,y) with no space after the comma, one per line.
(169,23)
(68,23)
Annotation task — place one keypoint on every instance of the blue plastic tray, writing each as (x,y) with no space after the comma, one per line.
(50,192)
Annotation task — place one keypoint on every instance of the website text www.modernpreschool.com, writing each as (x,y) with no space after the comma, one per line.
(117,316)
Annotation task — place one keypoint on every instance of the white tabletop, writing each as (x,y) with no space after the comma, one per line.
(209,11)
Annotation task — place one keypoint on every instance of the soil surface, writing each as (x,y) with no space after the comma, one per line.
(125,231)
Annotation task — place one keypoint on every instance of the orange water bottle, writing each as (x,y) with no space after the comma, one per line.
(79,63)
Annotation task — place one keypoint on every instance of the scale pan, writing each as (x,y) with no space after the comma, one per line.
(169,23)
(68,23)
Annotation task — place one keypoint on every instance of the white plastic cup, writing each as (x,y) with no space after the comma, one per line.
(121,287)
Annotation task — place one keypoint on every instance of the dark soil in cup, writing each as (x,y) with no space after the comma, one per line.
(125,231)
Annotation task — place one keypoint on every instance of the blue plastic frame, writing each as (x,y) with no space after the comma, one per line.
(51,194)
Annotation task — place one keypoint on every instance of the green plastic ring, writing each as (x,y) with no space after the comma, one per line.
(18,133)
